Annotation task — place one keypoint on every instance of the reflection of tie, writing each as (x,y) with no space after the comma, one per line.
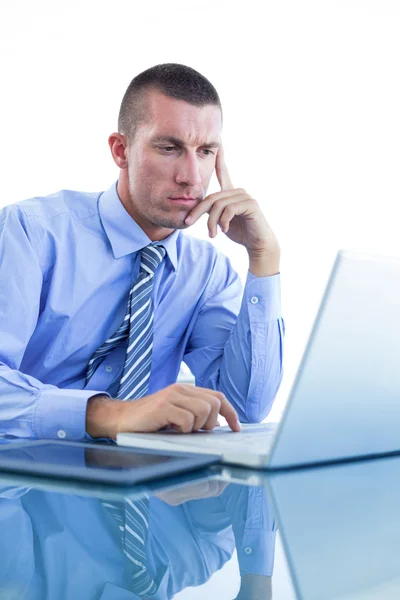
(137,326)
(132,517)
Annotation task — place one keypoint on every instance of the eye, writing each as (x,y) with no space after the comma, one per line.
(208,152)
(167,149)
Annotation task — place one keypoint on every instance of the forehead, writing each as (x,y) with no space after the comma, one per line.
(170,117)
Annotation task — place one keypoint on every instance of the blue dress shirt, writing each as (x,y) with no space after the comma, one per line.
(65,546)
(67,264)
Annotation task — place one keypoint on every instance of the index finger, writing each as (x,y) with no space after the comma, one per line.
(229,413)
(222,171)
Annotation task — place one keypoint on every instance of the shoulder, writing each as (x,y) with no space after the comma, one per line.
(76,204)
(47,213)
(49,222)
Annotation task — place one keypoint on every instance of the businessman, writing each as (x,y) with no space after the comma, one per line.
(56,545)
(102,296)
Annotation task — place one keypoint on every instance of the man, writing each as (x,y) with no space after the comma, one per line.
(57,545)
(102,296)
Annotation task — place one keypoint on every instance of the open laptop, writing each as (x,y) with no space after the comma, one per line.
(345,400)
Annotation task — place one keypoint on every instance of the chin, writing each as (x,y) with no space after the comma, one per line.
(177,223)
(181,225)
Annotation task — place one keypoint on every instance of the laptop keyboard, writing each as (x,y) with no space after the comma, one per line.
(252,438)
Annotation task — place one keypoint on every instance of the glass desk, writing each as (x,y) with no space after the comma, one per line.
(221,533)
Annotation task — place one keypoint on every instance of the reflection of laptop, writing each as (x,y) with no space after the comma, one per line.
(345,401)
(340,529)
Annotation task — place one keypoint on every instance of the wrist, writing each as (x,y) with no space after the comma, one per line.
(102,415)
(264,263)
(255,587)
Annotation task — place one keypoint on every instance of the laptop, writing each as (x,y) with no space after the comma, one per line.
(345,399)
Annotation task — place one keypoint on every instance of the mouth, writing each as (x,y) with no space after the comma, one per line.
(184,200)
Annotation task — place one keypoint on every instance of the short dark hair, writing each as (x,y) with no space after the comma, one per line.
(173,80)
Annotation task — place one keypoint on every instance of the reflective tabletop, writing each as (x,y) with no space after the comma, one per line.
(318,533)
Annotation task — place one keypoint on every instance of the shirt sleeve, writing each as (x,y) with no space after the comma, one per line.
(254,528)
(245,511)
(238,348)
(28,407)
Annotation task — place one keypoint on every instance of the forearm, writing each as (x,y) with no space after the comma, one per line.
(265,264)
(28,407)
(32,409)
(255,587)
(250,370)
(254,528)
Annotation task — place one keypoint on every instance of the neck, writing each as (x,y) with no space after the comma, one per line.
(155,233)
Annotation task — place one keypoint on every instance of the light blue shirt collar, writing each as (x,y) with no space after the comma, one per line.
(124,234)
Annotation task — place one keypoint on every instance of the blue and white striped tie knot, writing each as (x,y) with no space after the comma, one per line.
(151,257)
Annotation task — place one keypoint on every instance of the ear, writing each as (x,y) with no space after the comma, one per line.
(119,149)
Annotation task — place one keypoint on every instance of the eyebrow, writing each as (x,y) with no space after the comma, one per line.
(178,142)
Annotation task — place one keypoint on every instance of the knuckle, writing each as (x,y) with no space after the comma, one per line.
(205,410)
(179,388)
(215,402)
(160,401)
(187,423)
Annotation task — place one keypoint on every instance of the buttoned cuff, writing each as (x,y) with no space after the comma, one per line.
(256,554)
(262,295)
(61,414)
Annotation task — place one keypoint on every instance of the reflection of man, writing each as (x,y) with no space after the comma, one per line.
(102,297)
(238,517)
(63,546)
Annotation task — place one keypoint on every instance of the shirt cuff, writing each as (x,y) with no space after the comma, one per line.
(262,295)
(256,554)
(61,414)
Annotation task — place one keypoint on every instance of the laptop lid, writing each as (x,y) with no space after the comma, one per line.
(345,401)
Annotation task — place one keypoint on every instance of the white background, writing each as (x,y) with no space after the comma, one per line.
(311,99)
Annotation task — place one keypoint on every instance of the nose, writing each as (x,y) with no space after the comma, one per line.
(188,169)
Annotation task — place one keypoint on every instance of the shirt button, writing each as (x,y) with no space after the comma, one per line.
(248,550)
(109,368)
(61,434)
(254,300)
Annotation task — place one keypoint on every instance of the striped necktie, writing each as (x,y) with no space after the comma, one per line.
(132,515)
(137,326)
(132,518)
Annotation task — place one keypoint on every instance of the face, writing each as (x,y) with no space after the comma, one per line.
(170,163)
